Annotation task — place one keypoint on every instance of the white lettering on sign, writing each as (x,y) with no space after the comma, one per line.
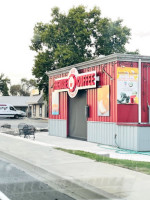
(75,81)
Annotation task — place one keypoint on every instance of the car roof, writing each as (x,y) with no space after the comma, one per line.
(5,104)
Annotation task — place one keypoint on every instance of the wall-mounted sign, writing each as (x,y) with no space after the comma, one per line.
(103,100)
(55,103)
(75,81)
(127,85)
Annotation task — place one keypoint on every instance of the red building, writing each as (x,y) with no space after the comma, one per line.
(105,100)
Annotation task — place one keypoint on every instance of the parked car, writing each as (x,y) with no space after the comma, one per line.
(7,110)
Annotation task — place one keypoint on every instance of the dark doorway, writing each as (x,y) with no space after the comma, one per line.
(77,119)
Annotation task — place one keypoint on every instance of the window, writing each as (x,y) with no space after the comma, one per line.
(34,110)
(40,110)
(12,108)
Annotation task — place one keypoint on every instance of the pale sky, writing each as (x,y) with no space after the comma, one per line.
(18,17)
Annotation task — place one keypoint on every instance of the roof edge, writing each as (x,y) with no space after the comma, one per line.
(99,61)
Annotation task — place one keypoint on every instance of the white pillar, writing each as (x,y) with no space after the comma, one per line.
(139,92)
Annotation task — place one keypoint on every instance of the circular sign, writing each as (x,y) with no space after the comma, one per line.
(72,82)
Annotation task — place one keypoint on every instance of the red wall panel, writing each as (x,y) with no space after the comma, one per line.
(63,96)
(145,93)
(127,113)
(107,74)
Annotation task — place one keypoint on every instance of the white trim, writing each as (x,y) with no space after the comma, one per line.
(3,197)
(99,61)
(82,87)
(139,92)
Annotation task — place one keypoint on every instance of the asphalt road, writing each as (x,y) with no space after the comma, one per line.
(38,123)
(18,185)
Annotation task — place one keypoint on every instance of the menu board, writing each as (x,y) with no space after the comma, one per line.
(55,103)
(127,85)
(103,100)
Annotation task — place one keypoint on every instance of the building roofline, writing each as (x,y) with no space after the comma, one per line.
(37,100)
(100,61)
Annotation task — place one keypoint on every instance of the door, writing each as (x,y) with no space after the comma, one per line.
(77,119)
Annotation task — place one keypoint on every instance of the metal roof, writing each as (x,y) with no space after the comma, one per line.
(99,61)
(38,99)
(20,100)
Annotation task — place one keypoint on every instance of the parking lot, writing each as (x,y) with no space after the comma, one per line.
(38,123)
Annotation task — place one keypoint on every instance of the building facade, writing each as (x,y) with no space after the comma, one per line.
(37,107)
(105,100)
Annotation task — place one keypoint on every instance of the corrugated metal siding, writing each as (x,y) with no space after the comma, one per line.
(63,98)
(145,94)
(104,133)
(148,82)
(127,137)
(127,64)
(107,78)
(143,138)
(110,68)
(57,127)
(127,113)
(101,132)
(118,113)
(124,113)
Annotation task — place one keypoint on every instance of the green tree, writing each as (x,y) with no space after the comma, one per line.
(26,85)
(15,90)
(136,52)
(74,37)
(4,82)
(23,88)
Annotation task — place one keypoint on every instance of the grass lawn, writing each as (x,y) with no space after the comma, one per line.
(139,166)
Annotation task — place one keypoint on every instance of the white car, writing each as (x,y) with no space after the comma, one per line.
(7,110)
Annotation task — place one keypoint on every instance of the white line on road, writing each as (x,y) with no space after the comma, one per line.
(3,197)
(29,141)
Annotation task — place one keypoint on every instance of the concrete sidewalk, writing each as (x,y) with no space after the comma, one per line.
(74,144)
(74,174)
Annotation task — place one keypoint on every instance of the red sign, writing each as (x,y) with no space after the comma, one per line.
(75,82)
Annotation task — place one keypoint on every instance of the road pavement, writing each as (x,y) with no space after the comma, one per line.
(78,177)
(18,185)
(38,123)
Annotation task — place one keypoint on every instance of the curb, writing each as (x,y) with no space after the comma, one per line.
(68,186)
(37,118)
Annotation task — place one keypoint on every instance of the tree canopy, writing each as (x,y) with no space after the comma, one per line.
(74,37)
(4,82)
(23,88)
